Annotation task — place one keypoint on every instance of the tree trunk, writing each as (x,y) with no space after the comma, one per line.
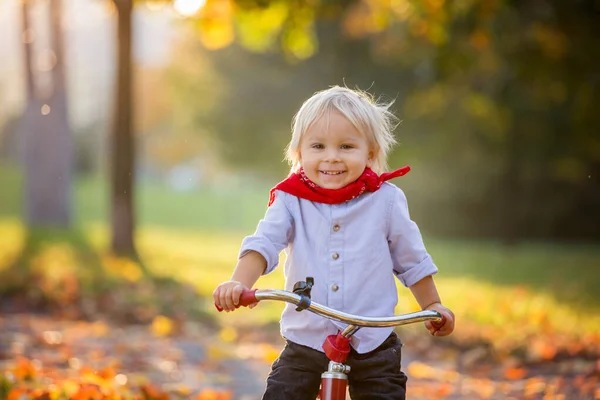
(47,136)
(122,141)
(27,40)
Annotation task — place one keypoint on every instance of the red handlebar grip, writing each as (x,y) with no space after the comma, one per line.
(248,297)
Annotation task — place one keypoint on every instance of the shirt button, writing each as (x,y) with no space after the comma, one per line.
(335,288)
(336,228)
(335,256)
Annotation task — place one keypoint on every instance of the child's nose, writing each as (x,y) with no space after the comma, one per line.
(332,155)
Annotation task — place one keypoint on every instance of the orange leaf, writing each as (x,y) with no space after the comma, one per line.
(24,369)
(39,394)
(16,394)
(151,392)
(107,373)
(444,390)
(514,373)
(213,394)
(269,353)
(420,370)
(88,392)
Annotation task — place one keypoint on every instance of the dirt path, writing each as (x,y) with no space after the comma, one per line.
(201,360)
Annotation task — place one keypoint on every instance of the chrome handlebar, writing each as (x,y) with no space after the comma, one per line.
(356,321)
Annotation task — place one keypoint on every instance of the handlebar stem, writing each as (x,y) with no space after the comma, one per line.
(337,347)
(350,330)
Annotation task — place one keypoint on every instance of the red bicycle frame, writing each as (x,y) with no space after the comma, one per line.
(334,381)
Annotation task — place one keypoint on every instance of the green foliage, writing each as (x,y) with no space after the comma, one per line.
(5,386)
(10,199)
(259,27)
(496,101)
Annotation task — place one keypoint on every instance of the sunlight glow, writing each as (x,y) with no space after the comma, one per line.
(121,379)
(155,5)
(188,7)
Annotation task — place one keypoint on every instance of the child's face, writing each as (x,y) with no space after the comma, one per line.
(333,153)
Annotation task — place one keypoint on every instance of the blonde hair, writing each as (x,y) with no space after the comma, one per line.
(369,117)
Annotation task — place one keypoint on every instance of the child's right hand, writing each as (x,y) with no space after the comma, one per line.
(227,295)
(446,326)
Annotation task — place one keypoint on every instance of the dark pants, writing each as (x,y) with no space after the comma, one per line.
(296,374)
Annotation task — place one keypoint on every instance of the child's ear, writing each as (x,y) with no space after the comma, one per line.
(371,158)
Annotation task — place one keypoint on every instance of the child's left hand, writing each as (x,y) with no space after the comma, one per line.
(446,326)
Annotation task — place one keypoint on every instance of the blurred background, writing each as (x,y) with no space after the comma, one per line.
(139,139)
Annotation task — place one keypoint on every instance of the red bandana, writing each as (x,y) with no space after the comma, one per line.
(299,185)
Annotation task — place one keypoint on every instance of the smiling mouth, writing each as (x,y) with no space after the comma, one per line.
(332,172)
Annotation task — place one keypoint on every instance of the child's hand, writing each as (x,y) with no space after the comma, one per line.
(446,326)
(227,295)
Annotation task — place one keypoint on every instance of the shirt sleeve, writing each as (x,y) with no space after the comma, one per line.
(272,235)
(410,258)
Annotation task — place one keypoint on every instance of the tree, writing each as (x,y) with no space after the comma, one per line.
(46,134)
(122,140)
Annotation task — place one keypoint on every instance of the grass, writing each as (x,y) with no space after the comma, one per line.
(231,207)
(225,208)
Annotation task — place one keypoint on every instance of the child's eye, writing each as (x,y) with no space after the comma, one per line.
(346,146)
(317,146)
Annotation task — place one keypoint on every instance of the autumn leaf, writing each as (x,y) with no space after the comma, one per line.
(151,392)
(514,373)
(213,394)
(544,349)
(161,326)
(16,394)
(88,392)
(90,377)
(228,334)
(444,390)
(24,369)
(269,353)
(218,352)
(107,373)
(40,394)
(122,267)
(420,370)
(69,387)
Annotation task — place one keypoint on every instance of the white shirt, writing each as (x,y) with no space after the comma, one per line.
(352,250)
